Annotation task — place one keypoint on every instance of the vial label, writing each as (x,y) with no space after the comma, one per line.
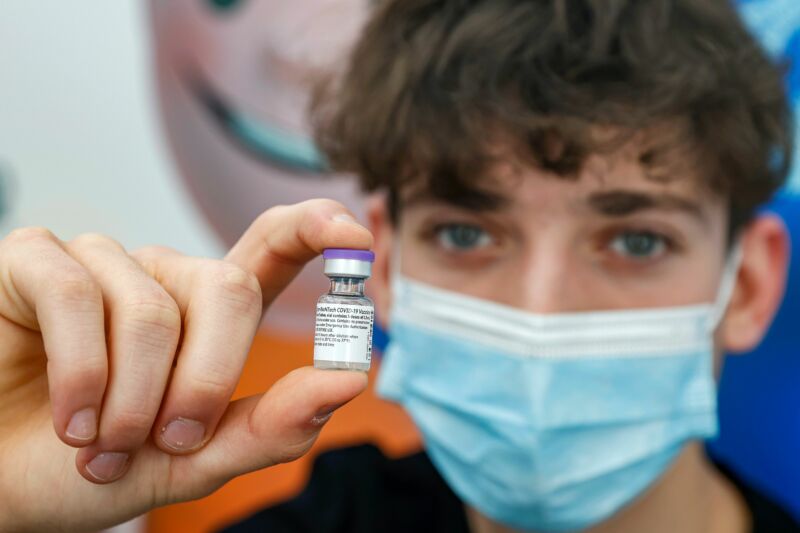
(343,333)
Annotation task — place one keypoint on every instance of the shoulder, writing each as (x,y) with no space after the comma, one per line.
(358,489)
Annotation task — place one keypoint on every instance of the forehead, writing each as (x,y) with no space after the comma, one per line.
(526,184)
(509,182)
(661,159)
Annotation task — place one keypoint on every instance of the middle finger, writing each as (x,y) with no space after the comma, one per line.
(221,304)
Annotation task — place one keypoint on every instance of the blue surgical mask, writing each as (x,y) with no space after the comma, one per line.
(551,422)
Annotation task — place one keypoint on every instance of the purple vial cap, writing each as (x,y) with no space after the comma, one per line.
(347,253)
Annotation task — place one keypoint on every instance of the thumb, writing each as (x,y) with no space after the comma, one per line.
(277,427)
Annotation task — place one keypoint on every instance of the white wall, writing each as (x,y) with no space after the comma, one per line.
(79,129)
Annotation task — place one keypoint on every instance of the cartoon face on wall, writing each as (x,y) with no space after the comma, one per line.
(234,82)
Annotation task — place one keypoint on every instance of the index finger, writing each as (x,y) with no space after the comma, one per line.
(283,239)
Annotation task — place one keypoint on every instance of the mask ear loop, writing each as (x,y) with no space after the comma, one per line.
(727,284)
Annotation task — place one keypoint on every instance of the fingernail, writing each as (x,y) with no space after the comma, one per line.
(107,466)
(318,420)
(183,434)
(324,415)
(83,425)
(344,217)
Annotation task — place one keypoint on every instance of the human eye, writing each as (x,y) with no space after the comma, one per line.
(223,5)
(462,237)
(640,245)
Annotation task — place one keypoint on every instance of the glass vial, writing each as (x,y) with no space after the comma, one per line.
(343,332)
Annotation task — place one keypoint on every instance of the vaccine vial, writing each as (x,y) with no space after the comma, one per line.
(343,332)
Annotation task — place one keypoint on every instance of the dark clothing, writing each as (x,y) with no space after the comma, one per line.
(359,490)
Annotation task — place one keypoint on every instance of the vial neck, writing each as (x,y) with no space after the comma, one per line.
(347,286)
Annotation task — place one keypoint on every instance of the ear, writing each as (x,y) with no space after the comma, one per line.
(380,224)
(760,284)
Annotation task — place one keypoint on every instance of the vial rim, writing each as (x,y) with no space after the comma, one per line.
(349,253)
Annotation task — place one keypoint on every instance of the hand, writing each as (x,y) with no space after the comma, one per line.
(133,358)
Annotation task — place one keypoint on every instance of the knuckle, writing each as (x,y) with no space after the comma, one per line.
(82,373)
(95,240)
(267,218)
(131,424)
(78,287)
(311,228)
(30,234)
(155,316)
(293,451)
(274,212)
(94,370)
(238,287)
(211,386)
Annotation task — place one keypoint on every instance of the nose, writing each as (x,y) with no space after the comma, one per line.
(549,281)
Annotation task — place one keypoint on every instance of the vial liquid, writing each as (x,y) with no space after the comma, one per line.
(343,332)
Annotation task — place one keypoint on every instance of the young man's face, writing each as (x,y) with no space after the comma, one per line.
(615,238)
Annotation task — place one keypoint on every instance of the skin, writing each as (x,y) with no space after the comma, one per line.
(138,340)
(557,245)
(87,325)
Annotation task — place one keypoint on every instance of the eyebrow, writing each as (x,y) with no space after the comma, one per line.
(614,203)
(470,200)
(620,203)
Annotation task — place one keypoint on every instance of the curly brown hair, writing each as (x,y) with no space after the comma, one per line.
(433,84)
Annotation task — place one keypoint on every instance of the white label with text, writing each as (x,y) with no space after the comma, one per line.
(343,333)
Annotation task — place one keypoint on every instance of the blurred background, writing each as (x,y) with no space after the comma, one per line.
(177,122)
(80,136)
